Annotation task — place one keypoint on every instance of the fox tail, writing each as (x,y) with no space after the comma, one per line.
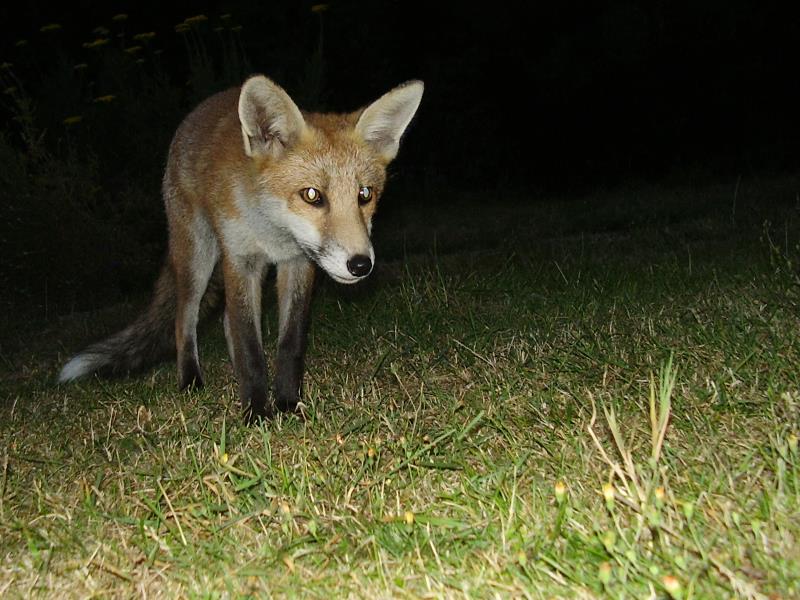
(145,342)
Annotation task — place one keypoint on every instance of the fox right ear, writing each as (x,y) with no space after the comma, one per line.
(383,122)
(271,121)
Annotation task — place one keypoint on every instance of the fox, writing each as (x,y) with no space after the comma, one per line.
(252,182)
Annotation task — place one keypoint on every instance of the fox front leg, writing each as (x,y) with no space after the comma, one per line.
(243,332)
(295,282)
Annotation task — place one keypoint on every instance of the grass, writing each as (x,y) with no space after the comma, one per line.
(597,398)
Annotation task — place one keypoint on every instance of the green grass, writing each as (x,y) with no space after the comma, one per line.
(637,351)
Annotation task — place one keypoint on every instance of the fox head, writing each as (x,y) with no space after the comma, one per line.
(322,173)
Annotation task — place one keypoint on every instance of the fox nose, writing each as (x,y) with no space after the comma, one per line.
(359,265)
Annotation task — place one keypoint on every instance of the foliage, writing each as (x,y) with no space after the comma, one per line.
(84,137)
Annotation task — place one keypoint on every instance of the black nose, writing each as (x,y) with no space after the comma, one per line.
(359,265)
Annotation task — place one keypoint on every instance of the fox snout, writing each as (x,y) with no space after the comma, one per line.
(346,252)
(343,265)
(359,265)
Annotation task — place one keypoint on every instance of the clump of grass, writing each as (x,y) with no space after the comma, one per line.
(651,535)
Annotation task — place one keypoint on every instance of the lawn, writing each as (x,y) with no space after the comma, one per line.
(586,397)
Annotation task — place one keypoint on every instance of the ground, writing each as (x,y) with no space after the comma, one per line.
(585,397)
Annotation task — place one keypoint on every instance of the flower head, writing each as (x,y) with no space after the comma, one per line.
(144,37)
(560,490)
(97,43)
(673,586)
(604,573)
(609,495)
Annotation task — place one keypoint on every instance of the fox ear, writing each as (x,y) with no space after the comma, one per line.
(383,122)
(271,121)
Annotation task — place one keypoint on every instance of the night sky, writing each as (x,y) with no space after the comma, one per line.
(560,96)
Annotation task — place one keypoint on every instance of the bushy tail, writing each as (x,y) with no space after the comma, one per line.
(145,342)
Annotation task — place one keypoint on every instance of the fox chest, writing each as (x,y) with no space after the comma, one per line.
(258,233)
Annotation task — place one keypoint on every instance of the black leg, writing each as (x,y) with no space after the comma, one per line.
(243,330)
(295,283)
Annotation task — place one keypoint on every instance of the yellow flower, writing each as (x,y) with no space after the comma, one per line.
(120,17)
(104,99)
(96,43)
(182,28)
(50,27)
(560,490)
(133,49)
(673,586)
(318,8)
(143,37)
(409,517)
(659,494)
(604,573)
(73,120)
(196,19)
(608,494)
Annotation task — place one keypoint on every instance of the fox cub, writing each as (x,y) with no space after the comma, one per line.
(252,181)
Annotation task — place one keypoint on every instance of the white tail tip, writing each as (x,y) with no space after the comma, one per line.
(78,366)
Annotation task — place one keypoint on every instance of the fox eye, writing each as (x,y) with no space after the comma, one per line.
(364,194)
(312,196)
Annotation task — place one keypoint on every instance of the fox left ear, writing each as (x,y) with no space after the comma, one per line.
(271,121)
(383,122)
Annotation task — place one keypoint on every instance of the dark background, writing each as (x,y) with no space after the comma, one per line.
(521,100)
